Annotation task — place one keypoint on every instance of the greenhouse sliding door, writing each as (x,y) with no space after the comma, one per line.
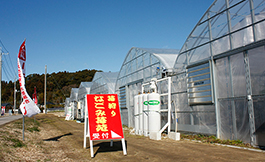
(231,83)
(256,58)
(241,97)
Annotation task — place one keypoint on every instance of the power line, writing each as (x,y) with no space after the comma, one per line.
(12,65)
(3,46)
(8,65)
(6,73)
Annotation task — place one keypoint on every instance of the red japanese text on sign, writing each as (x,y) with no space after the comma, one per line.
(104,117)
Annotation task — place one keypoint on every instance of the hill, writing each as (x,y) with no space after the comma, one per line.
(59,86)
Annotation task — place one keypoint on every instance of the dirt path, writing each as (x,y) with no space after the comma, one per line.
(61,140)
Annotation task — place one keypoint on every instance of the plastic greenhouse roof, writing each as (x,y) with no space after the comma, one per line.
(197,43)
(74,93)
(166,56)
(109,78)
(84,88)
(160,51)
(141,60)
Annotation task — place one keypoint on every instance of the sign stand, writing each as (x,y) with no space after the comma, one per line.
(86,134)
(123,147)
(122,142)
(91,148)
(103,120)
(86,130)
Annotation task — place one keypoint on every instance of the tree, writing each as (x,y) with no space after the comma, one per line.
(59,85)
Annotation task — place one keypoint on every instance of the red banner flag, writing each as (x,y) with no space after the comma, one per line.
(34,96)
(27,107)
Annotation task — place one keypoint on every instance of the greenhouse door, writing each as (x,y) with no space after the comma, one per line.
(256,94)
(241,96)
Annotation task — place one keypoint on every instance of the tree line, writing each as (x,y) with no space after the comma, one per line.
(58,87)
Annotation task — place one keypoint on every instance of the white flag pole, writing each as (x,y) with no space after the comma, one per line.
(23,128)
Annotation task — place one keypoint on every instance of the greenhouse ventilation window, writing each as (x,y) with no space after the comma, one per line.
(199,85)
(122,97)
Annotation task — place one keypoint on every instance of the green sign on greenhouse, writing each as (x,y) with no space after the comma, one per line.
(151,102)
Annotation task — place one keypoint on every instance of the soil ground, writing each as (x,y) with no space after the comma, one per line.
(60,140)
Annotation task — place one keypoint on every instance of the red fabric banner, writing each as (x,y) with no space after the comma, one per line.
(34,96)
(27,107)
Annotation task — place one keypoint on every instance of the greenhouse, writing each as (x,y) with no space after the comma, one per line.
(73,103)
(220,73)
(104,83)
(218,76)
(66,105)
(220,86)
(84,88)
(139,66)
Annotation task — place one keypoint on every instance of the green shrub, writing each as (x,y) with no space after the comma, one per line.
(32,129)
(18,143)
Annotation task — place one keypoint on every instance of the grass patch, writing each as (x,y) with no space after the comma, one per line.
(214,139)
(31,124)
(18,124)
(47,121)
(12,141)
(17,143)
(4,133)
(32,129)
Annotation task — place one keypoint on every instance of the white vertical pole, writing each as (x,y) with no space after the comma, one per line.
(91,148)
(85,128)
(23,130)
(169,105)
(123,147)
(15,96)
(1,80)
(23,126)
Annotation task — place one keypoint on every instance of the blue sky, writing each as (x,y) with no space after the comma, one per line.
(73,35)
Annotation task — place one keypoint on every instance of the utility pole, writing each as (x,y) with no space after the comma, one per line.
(45,80)
(15,96)
(1,78)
